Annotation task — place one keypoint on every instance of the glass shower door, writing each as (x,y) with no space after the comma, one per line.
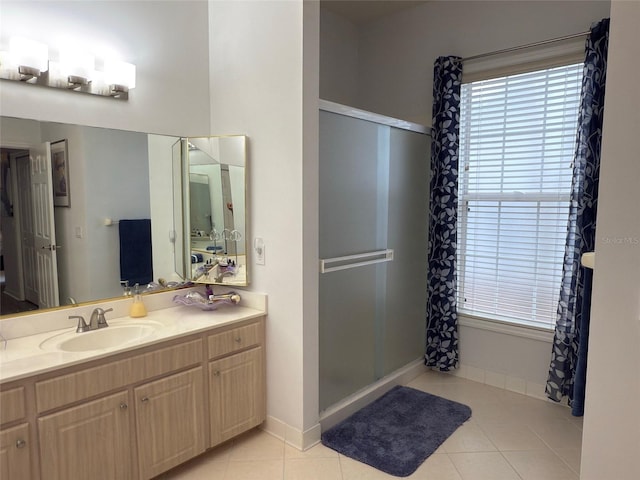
(353,192)
(373,193)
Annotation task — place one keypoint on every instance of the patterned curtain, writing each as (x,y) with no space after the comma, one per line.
(442,318)
(573,309)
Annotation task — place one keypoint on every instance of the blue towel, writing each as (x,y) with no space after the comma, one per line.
(136,263)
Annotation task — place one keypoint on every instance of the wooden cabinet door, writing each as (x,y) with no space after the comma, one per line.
(15,453)
(169,421)
(89,441)
(236,394)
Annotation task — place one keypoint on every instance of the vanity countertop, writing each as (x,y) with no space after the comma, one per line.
(25,356)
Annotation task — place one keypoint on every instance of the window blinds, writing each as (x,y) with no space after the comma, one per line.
(517,141)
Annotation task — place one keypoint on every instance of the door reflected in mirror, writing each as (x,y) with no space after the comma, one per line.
(215,182)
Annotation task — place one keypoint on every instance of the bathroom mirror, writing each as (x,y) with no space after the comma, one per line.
(111,175)
(214,188)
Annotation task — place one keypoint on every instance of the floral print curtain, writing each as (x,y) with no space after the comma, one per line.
(442,318)
(570,341)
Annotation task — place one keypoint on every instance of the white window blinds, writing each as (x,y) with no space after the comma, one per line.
(517,141)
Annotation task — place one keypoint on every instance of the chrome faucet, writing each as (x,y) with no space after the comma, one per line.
(97,318)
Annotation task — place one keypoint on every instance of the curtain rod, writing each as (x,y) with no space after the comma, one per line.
(521,47)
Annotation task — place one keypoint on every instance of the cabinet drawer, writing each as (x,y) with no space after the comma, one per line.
(76,386)
(234,340)
(12,402)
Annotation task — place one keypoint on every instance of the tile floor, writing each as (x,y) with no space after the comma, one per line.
(509,437)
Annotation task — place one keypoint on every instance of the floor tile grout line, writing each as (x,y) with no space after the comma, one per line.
(513,467)
(565,462)
(340,466)
(454,466)
(579,446)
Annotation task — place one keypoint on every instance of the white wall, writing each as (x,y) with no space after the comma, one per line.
(310,217)
(167,40)
(258,89)
(17,133)
(611,441)
(339,59)
(503,360)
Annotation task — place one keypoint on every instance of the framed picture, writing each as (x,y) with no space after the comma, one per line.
(60,173)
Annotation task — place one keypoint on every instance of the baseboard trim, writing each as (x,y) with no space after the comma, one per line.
(501,380)
(302,440)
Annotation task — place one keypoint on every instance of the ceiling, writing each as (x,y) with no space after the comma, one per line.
(365,11)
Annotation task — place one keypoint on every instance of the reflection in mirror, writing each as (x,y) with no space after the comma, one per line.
(179,198)
(215,181)
(110,176)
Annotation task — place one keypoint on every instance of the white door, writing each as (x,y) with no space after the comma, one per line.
(26,268)
(44,231)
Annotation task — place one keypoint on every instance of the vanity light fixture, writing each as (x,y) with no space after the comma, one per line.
(28,61)
(119,76)
(76,67)
(29,57)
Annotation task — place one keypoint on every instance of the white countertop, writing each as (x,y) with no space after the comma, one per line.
(24,356)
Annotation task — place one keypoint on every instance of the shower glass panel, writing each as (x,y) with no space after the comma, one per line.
(373,196)
(406,286)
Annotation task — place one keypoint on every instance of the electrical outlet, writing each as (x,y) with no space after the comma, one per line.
(258,246)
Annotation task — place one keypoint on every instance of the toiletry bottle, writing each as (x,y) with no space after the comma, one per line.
(137,308)
(126,289)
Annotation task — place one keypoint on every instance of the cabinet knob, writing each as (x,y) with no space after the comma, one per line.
(21,443)
(144,399)
(216,373)
(238,340)
(123,406)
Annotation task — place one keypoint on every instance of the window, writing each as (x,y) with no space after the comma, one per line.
(517,142)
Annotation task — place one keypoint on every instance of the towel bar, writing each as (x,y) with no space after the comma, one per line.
(368,258)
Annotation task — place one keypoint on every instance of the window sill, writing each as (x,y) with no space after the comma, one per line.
(506,328)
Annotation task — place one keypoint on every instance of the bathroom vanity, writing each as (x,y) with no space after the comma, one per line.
(192,380)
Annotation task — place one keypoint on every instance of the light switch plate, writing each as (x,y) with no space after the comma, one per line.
(258,246)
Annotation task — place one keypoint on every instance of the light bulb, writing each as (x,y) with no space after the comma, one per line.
(31,57)
(120,76)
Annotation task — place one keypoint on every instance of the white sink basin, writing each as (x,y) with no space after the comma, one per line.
(104,338)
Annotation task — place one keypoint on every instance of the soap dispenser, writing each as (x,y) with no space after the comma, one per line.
(137,308)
